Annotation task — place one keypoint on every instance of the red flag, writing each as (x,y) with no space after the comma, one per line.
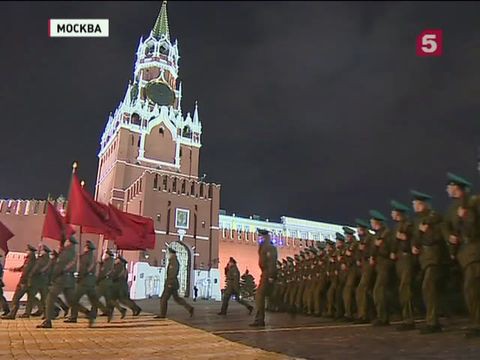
(138,232)
(5,235)
(84,211)
(54,225)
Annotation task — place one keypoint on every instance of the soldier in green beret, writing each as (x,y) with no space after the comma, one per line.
(380,258)
(363,294)
(340,274)
(38,281)
(3,301)
(120,294)
(267,254)
(62,280)
(401,253)
(332,275)
(462,230)
(233,288)
(105,284)
(351,272)
(22,286)
(86,284)
(430,247)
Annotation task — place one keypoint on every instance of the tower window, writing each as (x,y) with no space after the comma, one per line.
(183,187)
(138,143)
(165,182)
(161,131)
(136,119)
(163,50)
(133,139)
(187,132)
(174,187)
(192,190)
(155,182)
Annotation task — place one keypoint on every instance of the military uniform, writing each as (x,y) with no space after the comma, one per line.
(233,288)
(105,285)
(364,292)
(3,301)
(381,249)
(38,282)
(120,288)
(85,285)
(62,281)
(267,254)
(404,263)
(171,287)
(22,286)
(320,283)
(351,272)
(429,243)
(332,275)
(340,271)
(463,223)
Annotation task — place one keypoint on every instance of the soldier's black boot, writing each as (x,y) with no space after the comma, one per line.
(123,313)
(137,311)
(6,310)
(70,320)
(47,324)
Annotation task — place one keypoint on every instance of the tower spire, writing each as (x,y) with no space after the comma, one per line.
(161,25)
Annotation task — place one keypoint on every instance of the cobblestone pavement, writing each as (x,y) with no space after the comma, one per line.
(131,338)
(209,336)
(315,338)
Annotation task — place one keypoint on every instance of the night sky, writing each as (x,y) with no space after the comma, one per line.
(313,110)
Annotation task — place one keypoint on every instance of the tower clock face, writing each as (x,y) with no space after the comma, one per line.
(160,93)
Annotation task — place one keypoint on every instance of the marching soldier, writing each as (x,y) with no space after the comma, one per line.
(363,294)
(105,285)
(85,285)
(351,273)
(332,278)
(3,301)
(429,245)
(340,274)
(311,281)
(290,284)
(38,281)
(462,229)
(233,288)
(62,281)
(22,286)
(320,282)
(171,287)
(120,288)
(267,254)
(404,262)
(381,260)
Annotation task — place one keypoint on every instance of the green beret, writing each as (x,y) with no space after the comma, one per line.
(284,261)
(339,237)
(31,248)
(289,258)
(321,245)
(313,250)
(91,245)
(109,252)
(453,179)
(73,240)
(46,248)
(362,223)
(417,195)
(329,242)
(348,231)
(377,215)
(398,206)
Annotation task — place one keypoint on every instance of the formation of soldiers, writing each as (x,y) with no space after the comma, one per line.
(420,266)
(50,273)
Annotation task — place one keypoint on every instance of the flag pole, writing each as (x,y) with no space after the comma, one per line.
(74,169)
